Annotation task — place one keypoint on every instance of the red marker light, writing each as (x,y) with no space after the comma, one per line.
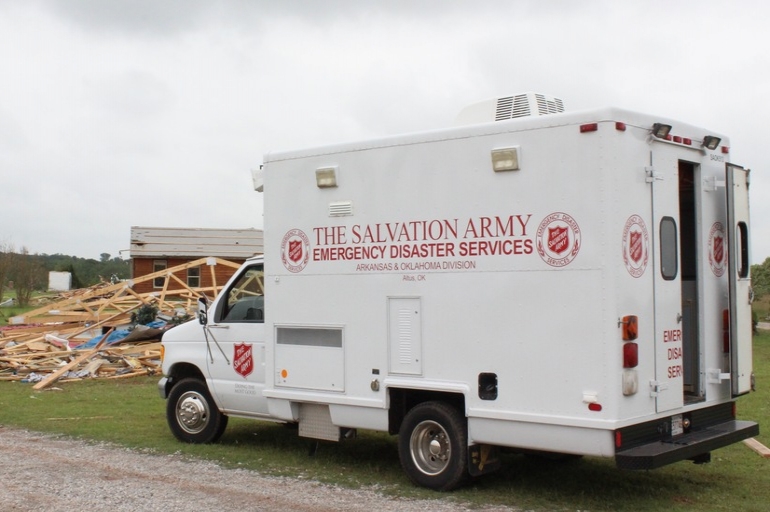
(592,127)
(630,355)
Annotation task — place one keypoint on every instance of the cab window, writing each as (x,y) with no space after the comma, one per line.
(245,299)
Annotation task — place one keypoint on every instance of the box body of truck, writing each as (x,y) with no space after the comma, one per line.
(573,283)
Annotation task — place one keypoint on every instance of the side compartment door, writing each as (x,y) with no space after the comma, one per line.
(740,280)
(668,386)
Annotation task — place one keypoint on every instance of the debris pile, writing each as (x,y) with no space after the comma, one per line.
(44,363)
(105,331)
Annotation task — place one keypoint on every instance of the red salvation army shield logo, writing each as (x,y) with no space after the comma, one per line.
(295,250)
(558,239)
(243,359)
(636,246)
(717,249)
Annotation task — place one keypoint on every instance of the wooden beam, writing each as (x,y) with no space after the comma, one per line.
(214,279)
(64,369)
(111,301)
(758,447)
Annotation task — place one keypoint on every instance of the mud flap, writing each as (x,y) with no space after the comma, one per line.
(482,459)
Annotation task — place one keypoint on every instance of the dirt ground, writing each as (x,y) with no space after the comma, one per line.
(48,473)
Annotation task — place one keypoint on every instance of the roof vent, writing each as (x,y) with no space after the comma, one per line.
(510,107)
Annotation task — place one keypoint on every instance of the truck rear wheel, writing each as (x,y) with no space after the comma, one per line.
(433,446)
(192,414)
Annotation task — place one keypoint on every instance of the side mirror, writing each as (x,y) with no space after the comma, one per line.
(202,310)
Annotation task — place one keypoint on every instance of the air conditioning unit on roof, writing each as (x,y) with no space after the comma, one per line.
(510,107)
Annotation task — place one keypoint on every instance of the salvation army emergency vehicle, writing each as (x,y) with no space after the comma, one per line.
(575,283)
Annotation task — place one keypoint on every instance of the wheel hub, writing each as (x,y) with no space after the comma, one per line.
(430,447)
(192,413)
(435,447)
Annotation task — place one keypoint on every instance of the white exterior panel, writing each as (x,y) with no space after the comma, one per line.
(561,280)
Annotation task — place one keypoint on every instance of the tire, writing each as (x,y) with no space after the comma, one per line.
(192,414)
(433,446)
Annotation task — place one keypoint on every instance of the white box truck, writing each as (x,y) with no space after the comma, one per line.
(575,283)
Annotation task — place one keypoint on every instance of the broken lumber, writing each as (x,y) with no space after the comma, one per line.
(758,447)
(64,369)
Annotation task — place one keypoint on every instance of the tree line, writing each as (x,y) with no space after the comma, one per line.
(760,279)
(26,273)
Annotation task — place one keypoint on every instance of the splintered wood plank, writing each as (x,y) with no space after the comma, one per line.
(758,447)
(136,349)
(93,366)
(40,346)
(128,375)
(132,362)
(64,369)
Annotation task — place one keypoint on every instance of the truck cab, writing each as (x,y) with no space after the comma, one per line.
(218,360)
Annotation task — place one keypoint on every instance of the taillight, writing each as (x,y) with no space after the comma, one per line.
(630,382)
(630,331)
(725,331)
(630,327)
(630,355)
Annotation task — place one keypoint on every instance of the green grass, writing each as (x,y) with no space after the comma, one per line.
(130,413)
(8,312)
(761,308)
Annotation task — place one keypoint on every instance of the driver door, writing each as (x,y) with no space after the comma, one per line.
(236,335)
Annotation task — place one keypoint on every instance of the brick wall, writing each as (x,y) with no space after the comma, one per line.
(144,266)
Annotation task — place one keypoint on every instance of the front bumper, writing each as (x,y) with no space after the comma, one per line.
(163,387)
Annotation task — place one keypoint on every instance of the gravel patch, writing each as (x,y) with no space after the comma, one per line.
(47,473)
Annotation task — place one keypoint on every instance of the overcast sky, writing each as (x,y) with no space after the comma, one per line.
(152,113)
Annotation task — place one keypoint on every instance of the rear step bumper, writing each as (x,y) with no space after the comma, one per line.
(660,453)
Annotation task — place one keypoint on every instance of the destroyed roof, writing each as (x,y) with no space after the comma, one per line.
(66,339)
(195,242)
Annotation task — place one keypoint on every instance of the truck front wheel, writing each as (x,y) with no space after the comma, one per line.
(433,446)
(192,414)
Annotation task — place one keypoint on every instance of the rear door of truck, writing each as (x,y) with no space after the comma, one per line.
(663,176)
(740,281)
